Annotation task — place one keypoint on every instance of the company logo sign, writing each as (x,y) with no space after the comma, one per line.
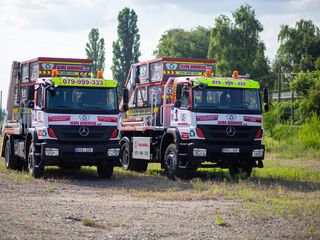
(84,131)
(230,131)
(171,66)
(231,117)
(84,117)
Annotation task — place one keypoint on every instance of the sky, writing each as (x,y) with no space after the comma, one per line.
(60,28)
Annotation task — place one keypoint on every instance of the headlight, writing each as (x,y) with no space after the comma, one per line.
(52,152)
(257,153)
(112,152)
(199,152)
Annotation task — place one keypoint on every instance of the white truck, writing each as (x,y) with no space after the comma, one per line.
(177,114)
(59,116)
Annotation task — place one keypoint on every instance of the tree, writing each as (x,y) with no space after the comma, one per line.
(126,48)
(299,46)
(177,42)
(307,87)
(95,50)
(237,46)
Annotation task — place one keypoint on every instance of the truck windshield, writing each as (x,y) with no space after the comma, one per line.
(227,100)
(82,100)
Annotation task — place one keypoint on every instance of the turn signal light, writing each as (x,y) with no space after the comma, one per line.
(199,133)
(51,133)
(114,133)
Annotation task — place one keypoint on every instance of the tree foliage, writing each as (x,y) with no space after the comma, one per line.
(237,46)
(299,46)
(307,86)
(95,50)
(177,42)
(126,48)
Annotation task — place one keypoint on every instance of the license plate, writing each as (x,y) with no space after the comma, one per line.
(230,150)
(83,150)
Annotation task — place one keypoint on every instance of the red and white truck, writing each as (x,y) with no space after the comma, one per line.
(58,115)
(177,114)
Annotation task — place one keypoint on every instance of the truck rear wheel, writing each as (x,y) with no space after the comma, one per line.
(105,168)
(11,161)
(36,168)
(171,164)
(240,173)
(126,160)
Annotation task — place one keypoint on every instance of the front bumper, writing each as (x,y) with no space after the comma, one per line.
(215,154)
(68,155)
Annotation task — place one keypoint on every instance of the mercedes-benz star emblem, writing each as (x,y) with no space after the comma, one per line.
(230,131)
(84,131)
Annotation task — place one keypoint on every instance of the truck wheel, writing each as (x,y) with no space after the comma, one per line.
(171,164)
(36,169)
(126,161)
(240,173)
(11,161)
(105,169)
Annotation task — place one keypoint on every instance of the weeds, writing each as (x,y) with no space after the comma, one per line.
(218,220)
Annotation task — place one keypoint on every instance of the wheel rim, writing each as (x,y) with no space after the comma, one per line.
(171,162)
(7,155)
(125,159)
(31,160)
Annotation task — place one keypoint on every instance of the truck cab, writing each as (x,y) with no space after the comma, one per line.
(62,120)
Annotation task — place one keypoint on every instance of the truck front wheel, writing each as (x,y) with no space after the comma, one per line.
(126,161)
(172,164)
(105,168)
(36,168)
(12,161)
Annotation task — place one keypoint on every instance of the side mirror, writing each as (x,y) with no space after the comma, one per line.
(125,99)
(30,104)
(177,103)
(178,92)
(265,95)
(266,99)
(30,92)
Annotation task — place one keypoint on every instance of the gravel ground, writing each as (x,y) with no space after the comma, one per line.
(60,208)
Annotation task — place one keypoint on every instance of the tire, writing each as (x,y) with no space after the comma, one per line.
(126,160)
(11,161)
(171,164)
(105,168)
(36,168)
(237,173)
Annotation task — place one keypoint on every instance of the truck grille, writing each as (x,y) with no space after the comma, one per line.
(72,133)
(244,135)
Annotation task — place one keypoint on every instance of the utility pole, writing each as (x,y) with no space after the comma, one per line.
(279,82)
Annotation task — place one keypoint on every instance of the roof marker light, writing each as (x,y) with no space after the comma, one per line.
(54,73)
(235,74)
(100,74)
(208,72)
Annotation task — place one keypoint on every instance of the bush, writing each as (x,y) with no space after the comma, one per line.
(309,133)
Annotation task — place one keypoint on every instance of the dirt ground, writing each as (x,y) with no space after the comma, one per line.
(82,206)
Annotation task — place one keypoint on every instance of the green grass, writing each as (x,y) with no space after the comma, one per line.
(219,221)
(288,141)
